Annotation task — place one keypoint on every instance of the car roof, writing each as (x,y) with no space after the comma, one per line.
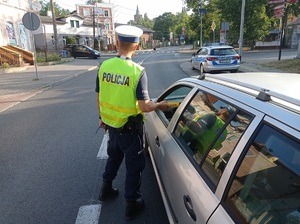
(286,84)
(281,88)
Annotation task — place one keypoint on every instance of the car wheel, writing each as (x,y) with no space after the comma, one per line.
(201,69)
(233,71)
(193,68)
(91,56)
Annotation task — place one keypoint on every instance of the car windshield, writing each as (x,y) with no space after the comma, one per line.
(89,48)
(223,51)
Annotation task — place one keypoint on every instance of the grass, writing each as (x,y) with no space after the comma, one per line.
(287,65)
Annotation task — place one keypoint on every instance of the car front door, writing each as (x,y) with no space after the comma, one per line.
(192,166)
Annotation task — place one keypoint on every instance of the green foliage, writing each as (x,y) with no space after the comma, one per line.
(70,40)
(41,57)
(163,26)
(93,2)
(59,12)
(143,21)
(256,22)
(5,65)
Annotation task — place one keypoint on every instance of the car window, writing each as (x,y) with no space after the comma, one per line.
(266,187)
(209,130)
(203,51)
(174,97)
(223,51)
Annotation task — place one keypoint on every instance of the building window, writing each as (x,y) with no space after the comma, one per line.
(107,26)
(74,23)
(86,12)
(105,13)
(10,31)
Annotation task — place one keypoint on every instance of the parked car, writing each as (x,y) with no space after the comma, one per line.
(82,51)
(216,58)
(228,151)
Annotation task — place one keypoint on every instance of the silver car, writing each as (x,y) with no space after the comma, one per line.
(216,58)
(228,150)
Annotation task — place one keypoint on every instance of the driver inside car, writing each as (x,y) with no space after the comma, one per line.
(199,132)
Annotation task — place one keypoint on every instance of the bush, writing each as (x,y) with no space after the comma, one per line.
(41,57)
(70,40)
(5,65)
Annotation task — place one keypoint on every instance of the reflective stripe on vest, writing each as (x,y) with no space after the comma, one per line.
(118,79)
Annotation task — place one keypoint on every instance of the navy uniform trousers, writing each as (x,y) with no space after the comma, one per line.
(130,145)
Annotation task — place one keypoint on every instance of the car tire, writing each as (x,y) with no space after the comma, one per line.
(91,56)
(233,71)
(201,69)
(193,68)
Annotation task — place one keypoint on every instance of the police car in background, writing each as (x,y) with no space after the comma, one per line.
(216,57)
(228,151)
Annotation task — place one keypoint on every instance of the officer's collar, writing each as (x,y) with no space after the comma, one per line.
(123,57)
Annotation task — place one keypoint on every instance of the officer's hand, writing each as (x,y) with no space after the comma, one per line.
(163,105)
(102,125)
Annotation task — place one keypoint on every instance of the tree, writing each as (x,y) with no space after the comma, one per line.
(59,12)
(181,27)
(93,2)
(256,26)
(163,26)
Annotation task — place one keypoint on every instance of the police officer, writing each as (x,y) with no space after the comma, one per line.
(122,98)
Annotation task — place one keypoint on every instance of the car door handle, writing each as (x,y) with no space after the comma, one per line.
(157,141)
(189,207)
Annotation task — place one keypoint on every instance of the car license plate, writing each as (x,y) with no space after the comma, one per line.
(224,61)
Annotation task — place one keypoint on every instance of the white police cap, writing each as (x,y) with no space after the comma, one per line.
(129,33)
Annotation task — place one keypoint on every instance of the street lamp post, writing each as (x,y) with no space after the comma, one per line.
(201,11)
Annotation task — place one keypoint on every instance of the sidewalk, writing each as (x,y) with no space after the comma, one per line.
(23,84)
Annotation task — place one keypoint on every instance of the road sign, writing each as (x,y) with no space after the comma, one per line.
(202,10)
(213,26)
(31,21)
(36,6)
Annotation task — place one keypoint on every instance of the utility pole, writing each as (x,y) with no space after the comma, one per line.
(54,25)
(94,26)
(200,41)
(282,30)
(242,30)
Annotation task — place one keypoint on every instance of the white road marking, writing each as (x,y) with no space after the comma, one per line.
(88,214)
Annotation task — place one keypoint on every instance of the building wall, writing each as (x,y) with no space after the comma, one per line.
(83,34)
(12,30)
(106,29)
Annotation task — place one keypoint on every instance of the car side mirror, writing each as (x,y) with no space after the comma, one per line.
(194,54)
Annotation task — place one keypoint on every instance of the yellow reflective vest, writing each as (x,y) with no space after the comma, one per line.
(118,79)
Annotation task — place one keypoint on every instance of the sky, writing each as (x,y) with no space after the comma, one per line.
(126,9)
